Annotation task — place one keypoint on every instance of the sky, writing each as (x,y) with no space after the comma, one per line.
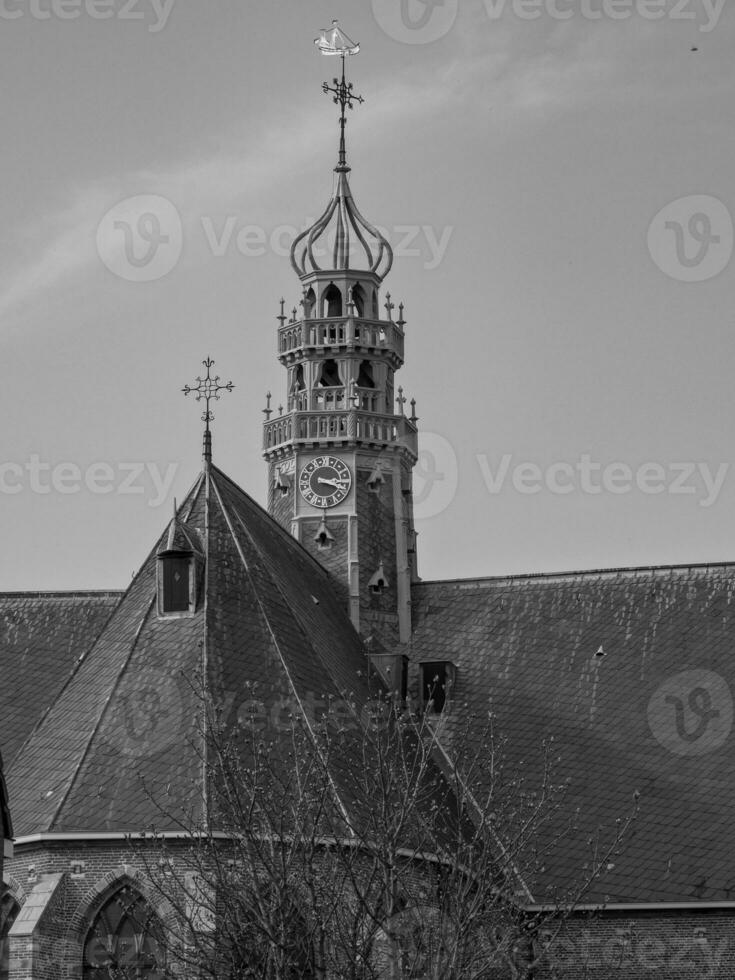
(555,177)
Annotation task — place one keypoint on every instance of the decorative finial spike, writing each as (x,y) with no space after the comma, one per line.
(414,416)
(401,401)
(389,306)
(282,316)
(267,411)
(207,388)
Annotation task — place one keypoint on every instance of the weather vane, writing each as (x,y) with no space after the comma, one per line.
(207,388)
(335,42)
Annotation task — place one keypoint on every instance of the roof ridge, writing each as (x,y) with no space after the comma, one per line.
(615,572)
(64,594)
(275,642)
(281,530)
(103,712)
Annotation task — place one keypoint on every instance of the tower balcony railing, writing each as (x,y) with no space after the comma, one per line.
(336,399)
(347,331)
(349,426)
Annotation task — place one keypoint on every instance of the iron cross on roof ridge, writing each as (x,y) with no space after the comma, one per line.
(207,388)
(336,42)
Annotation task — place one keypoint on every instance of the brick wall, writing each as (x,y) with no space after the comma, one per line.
(676,944)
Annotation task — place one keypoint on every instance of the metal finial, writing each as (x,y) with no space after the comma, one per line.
(414,416)
(267,411)
(282,316)
(401,401)
(335,42)
(389,306)
(400,321)
(207,388)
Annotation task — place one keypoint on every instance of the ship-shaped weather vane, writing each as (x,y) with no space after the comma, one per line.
(207,388)
(334,42)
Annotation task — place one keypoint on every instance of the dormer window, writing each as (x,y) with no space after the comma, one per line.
(177,571)
(378,582)
(175,582)
(323,536)
(437,680)
(376,478)
(282,483)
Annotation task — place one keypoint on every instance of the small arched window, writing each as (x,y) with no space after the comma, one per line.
(329,374)
(365,377)
(358,298)
(309,302)
(124,940)
(332,301)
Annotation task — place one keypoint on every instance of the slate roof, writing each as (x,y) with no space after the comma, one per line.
(125,724)
(626,670)
(42,635)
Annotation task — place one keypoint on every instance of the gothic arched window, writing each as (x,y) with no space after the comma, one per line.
(9,909)
(332,301)
(358,298)
(124,940)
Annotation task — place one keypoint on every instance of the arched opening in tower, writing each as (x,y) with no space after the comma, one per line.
(358,298)
(309,302)
(332,301)
(365,377)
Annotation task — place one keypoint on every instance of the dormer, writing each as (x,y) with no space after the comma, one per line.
(178,571)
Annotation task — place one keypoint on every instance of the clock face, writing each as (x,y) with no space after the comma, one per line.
(325,481)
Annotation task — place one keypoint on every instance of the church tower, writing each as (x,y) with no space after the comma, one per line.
(340,455)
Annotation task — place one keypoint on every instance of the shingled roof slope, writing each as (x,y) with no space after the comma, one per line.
(127,725)
(42,635)
(632,672)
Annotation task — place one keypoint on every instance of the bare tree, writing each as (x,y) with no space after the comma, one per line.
(370,841)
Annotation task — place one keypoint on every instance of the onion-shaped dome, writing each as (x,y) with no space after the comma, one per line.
(341,238)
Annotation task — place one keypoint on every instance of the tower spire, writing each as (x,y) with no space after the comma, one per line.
(335,42)
(207,388)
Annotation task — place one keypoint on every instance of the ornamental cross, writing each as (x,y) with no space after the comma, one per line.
(335,42)
(207,388)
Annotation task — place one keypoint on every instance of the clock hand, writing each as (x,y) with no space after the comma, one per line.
(331,483)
